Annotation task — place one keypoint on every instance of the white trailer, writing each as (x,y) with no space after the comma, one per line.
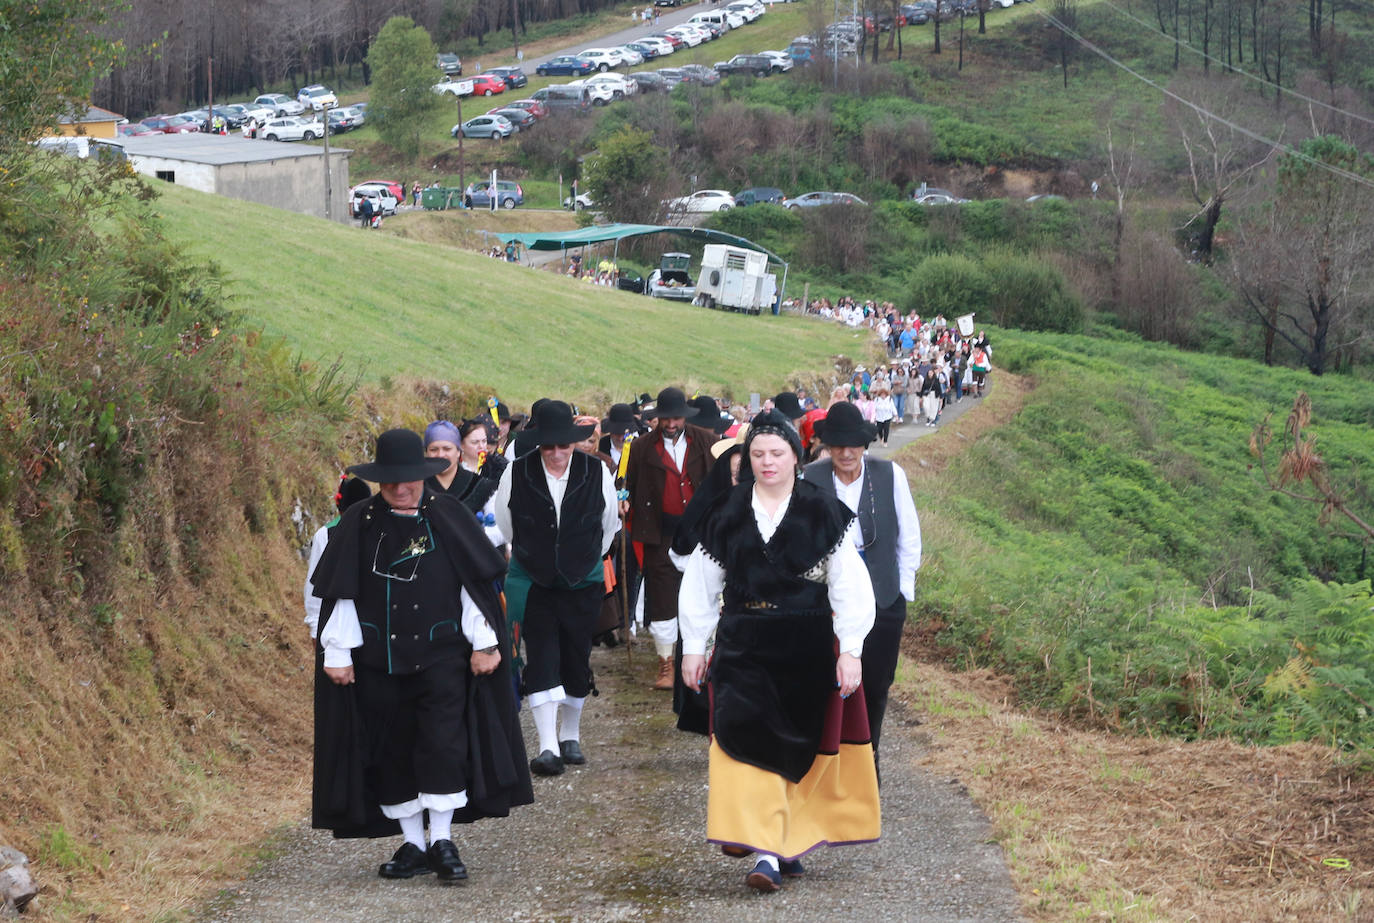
(735,279)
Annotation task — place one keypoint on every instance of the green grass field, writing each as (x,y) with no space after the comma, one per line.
(412,308)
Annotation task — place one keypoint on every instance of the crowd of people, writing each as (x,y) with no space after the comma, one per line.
(767,555)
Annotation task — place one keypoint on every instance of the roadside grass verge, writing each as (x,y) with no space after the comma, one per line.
(400,307)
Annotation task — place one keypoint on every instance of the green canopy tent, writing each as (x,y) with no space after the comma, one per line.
(562,240)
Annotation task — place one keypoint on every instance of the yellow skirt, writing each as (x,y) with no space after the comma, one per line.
(835,803)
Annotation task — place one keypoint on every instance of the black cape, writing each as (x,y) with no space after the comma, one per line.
(498,775)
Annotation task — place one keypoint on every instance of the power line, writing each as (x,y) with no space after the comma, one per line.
(1254,135)
(1242,72)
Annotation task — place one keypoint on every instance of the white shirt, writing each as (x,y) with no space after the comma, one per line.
(677,449)
(343,633)
(312,602)
(848,588)
(908,524)
(558,487)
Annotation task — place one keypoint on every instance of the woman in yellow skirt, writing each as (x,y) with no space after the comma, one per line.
(791,762)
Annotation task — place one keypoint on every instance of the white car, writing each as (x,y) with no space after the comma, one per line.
(703,200)
(291,128)
(621,86)
(662,46)
(600,93)
(603,58)
(631,57)
(783,59)
(380,195)
(581,200)
(690,37)
(317,97)
(258,111)
(280,104)
(359,116)
(746,8)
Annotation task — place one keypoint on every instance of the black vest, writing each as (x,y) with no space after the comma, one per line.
(408,625)
(557,551)
(877,516)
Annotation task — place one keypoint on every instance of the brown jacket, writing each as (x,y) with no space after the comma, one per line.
(644,479)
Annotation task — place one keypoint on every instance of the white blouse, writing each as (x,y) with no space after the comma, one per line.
(848,586)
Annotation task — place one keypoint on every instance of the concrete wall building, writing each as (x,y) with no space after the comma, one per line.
(277,173)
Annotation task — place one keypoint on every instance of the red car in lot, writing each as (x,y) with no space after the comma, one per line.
(533,106)
(172,124)
(396,189)
(487,84)
(670,39)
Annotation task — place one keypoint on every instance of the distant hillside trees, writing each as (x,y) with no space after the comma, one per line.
(626,176)
(402,61)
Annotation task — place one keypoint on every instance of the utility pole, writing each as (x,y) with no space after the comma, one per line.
(328,174)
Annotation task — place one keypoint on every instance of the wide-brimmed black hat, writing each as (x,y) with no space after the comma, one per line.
(620,419)
(844,425)
(673,403)
(708,414)
(553,425)
(400,460)
(788,403)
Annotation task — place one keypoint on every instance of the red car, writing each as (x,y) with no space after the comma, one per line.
(135,130)
(533,106)
(396,189)
(487,84)
(171,124)
(670,39)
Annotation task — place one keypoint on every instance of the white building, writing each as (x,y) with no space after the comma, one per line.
(277,173)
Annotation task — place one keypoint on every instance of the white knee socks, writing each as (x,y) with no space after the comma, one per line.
(545,724)
(413,827)
(570,718)
(440,825)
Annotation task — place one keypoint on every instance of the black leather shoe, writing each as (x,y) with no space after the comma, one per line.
(443,859)
(572,752)
(547,763)
(409,861)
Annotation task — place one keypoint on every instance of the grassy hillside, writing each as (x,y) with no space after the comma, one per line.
(406,308)
(1113,548)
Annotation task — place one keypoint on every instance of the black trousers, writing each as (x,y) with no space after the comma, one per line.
(415,723)
(661,584)
(881,648)
(558,638)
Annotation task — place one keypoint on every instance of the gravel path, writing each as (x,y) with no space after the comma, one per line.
(623,838)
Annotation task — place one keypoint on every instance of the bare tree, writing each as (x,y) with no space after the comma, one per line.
(1065,14)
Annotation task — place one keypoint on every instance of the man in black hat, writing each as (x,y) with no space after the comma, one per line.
(619,422)
(889,537)
(790,405)
(709,415)
(557,509)
(423,716)
(665,469)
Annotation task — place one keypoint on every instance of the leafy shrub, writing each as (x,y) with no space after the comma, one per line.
(948,284)
(1027,292)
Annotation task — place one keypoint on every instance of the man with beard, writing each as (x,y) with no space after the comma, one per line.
(665,468)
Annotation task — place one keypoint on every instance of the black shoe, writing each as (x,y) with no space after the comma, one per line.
(409,861)
(443,859)
(572,752)
(791,868)
(547,763)
(764,877)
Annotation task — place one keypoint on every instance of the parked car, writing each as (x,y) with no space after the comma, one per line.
(383,202)
(600,93)
(488,85)
(646,51)
(629,281)
(450,64)
(782,61)
(390,185)
(234,114)
(814,199)
(620,84)
(317,97)
(756,64)
(495,127)
(801,51)
(508,194)
(703,200)
(172,124)
(603,58)
(135,130)
(357,113)
(563,97)
(581,200)
(717,20)
(672,278)
(712,29)
(690,37)
(280,104)
(700,74)
(512,75)
(931,195)
(520,119)
(340,121)
(632,57)
(565,65)
(667,2)
(675,40)
(672,76)
(661,46)
(291,128)
(533,106)
(650,82)
(750,11)
(755,195)
(453,86)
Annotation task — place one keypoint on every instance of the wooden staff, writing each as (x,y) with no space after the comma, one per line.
(626,549)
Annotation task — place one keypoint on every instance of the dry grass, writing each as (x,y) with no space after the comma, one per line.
(1100,826)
